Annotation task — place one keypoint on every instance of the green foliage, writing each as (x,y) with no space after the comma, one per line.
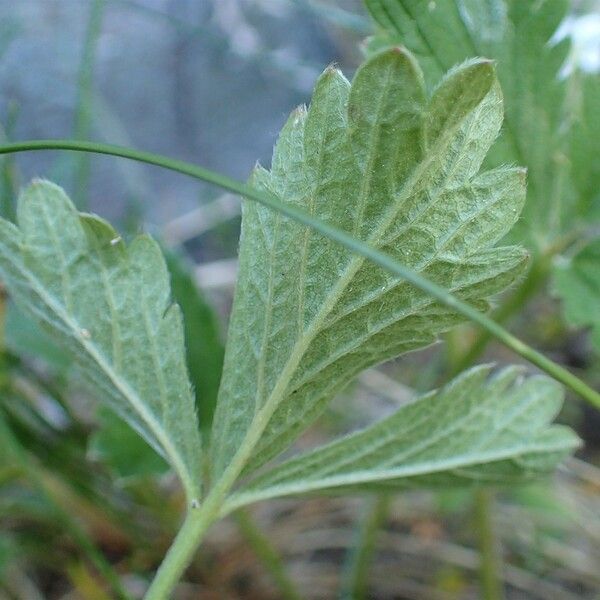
(475,429)
(119,446)
(399,171)
(204,349)
(109,306)
(517,34)
(577,282)
(24,337)
(381,158)
(122,450)
(577,278)
(585,147)
(391,159)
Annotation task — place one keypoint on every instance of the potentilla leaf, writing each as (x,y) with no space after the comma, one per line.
(399,171)
(476,430)
(519,36)
(109,305)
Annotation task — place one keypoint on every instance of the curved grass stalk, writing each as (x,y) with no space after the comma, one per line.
(440,294)
(199,518)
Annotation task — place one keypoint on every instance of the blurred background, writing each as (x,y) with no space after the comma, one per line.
(211,82)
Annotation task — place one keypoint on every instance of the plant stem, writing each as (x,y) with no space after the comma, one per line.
(356,570)
(491,587)
(435,291)
(187,540)
(265,551)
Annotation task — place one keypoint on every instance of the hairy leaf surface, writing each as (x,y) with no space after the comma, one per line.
(397,170)
(115,443)
(110,306)
(517,34)
(474,430)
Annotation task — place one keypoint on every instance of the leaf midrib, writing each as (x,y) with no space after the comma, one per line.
(369,476)
(264,414)
(416,448)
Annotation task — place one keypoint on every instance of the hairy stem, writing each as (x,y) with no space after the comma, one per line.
(494,329)
(181,552)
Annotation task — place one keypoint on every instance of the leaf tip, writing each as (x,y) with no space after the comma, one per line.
(38,184)
(299,111)
(482,70)
(397,53)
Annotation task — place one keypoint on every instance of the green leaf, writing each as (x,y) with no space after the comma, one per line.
(517,34)
(576,279)
(109,306)
(204,348)
(125,453)
(398,171)
(116,444)
(26,338)
(585,147)
(577,282)
(474,430)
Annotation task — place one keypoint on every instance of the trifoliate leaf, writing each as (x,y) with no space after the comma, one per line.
(518,35)
(474,430)
(397,170)
(577,282)
(110,306)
